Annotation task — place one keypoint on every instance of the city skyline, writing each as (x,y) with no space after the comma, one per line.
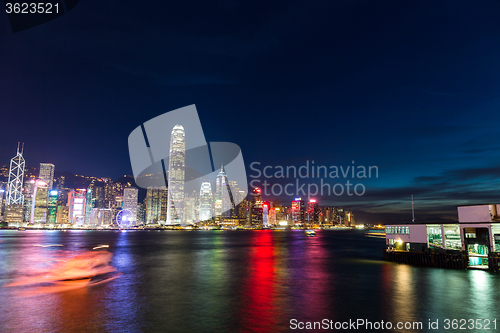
(46,201)
(48,168)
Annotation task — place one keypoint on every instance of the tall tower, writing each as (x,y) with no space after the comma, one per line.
(16,175)
(47,174)
(205,201)
(176,170)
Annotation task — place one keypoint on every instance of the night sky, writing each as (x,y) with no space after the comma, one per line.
(409,86)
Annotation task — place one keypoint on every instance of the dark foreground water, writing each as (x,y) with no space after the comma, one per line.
(235,281)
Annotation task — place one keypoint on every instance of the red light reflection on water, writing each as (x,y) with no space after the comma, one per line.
(259,311)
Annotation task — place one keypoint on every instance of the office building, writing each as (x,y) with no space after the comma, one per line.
(77,206)
(47,174)
(130,198)
(176,172)
(205,201)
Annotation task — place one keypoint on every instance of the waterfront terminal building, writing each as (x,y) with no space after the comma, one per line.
(473,242)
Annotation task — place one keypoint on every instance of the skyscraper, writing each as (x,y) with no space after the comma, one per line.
(39,202)
(265,211)
(52,207)
(190,210)
(16,175)
(176,171)
(205,201)
(89,204)
(28,192)
(255,209)
(224,203)
(130,197)
(47,174)
(14,203)
(77,206)
(156,205)
(313,211)
(298,210)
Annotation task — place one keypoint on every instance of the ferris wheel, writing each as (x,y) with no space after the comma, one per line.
(125,219)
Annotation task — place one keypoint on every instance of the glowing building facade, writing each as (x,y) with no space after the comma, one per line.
(298,210)
(39,202)
(255,217)
(156,205)
(52,207)
(205,201)
(224,202)
(47,174)
(130,197)
(313,211)
(77,206)
(176,172)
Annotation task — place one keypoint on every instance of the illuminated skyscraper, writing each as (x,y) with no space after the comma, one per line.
(141,213)
(77,206)
(52,207)
(224,203)
(272,215)
(62,215)
(205,201)
(98,197)
(176,171)
(28,192)
(89,204)
(16,175)
(237,193)
(313,211)
(265,211)
(47,174)
(156,205)
(255,208)
(298,210)
(190,210)
(39,202)
(130,197)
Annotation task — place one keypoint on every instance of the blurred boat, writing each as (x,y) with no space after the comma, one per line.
(310,233)
(85,269)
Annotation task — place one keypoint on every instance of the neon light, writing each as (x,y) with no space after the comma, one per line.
(298,199)
(312,200)
(53,192)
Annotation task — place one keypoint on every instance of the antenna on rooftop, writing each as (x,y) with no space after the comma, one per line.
(412,210)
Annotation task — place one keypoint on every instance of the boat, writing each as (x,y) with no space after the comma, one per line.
(21,229)
(310,233)
(85,269)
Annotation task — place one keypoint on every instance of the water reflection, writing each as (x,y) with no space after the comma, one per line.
(225,281)
(258,309)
